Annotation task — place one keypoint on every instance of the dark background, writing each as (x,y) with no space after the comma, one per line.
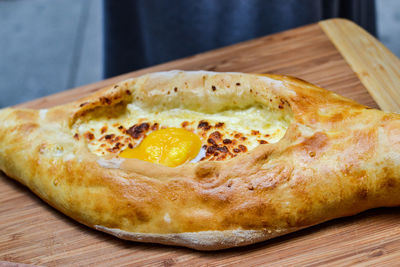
(47,46)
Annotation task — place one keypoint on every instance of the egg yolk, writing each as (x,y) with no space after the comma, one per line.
(170,147)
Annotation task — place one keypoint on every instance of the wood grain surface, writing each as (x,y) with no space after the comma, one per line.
(32,232)
(376,67)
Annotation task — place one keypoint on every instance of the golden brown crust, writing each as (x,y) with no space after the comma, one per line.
(336,159)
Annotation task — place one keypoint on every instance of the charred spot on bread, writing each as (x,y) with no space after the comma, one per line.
(216,136)
(155,127)
(227,141)
(211,141)
(109,136)
(204,125)
(137,131)
(89,136)
(104,129)
(242,148)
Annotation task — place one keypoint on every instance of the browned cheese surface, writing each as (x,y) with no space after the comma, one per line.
(34,233)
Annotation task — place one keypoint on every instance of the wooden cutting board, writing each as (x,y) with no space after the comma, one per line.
(335,54)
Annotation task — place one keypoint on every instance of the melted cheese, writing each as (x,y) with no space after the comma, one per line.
(223,135)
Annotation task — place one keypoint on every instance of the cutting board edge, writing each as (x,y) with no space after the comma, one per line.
(373,63)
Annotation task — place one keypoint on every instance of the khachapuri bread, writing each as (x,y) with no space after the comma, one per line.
(205,160)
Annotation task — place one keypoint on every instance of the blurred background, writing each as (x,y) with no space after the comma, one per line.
(47,46)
